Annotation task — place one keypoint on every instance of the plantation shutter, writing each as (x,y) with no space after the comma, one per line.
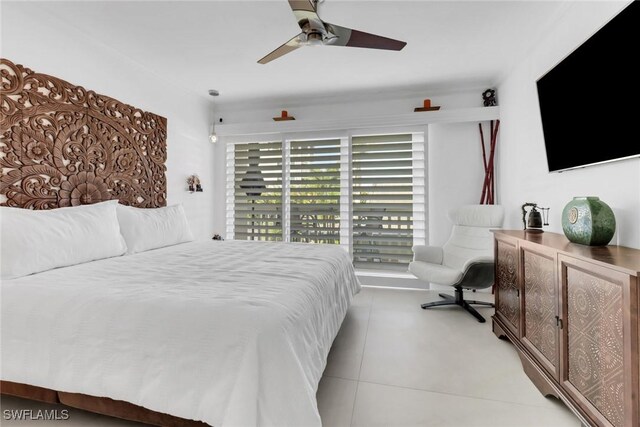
(256,191)
(365,193)
(383,170)
(314,191)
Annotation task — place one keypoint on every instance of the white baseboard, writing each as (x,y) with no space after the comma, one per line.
(401,280)
(390,280)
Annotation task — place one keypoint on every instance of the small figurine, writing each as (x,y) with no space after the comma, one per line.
(217,237)
(194,183)
(489,97)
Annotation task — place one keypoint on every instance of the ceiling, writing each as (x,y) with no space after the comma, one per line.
(215,44)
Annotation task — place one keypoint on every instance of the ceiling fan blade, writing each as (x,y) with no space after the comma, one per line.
(306,15)
(355,38)
(289,46)
(305,5)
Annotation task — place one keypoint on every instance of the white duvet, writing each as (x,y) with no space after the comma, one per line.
(229,333)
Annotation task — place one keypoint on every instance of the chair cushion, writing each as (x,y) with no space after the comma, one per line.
(434,273)
(467,243)
(478,215)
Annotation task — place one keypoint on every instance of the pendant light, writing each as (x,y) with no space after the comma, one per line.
(213,137)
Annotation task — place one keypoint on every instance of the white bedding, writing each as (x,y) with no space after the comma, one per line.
(229,333)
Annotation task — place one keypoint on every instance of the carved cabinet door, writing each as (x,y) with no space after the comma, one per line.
(540,320)
(598,344)
(506,284)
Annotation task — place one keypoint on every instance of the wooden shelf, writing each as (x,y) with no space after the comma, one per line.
(238,131)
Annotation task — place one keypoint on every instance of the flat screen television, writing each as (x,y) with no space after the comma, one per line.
(590,101)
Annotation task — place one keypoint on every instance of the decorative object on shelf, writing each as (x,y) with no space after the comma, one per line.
(588,221)
(489,98)
(213,136)
(536,219)
(426,106)
(194,184)
(284,115)
(488,196)
(217,237)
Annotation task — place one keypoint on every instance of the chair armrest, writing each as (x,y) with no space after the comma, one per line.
(431,254)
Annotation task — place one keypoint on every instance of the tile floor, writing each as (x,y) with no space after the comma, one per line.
(394,364)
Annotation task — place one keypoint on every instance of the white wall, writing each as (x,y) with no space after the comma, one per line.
(456,173)
(53,46)
(348,105)
(522,168)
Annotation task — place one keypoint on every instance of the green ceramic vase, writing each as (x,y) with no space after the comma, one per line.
(588,221)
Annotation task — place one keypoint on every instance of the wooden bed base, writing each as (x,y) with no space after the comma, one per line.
(99,405)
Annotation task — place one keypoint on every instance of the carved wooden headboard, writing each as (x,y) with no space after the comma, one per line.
(62,145)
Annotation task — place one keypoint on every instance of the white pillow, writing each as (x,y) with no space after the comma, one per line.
(145,229)
(34,241)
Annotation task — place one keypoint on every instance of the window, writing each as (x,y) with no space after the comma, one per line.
(382,170)
(255,191)
(366,193)
(314,188)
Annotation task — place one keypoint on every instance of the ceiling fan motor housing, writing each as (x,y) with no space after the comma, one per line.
(315,38)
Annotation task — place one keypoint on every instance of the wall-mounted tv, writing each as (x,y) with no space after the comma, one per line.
(590,102)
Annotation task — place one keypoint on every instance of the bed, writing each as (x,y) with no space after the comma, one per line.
(227,333)
(114,308)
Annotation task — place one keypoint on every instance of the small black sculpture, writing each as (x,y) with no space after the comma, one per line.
(489,97)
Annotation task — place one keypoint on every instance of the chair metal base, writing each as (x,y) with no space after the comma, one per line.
(459,300)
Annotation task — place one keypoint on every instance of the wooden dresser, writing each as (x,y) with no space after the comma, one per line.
(572,313)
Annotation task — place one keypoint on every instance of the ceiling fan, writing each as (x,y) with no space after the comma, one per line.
(317,32)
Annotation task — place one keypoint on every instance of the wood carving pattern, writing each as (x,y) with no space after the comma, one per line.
(507,282)
(540,305)
(595,350)
(62,145)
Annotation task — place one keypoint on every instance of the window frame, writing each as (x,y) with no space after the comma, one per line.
(420,163)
